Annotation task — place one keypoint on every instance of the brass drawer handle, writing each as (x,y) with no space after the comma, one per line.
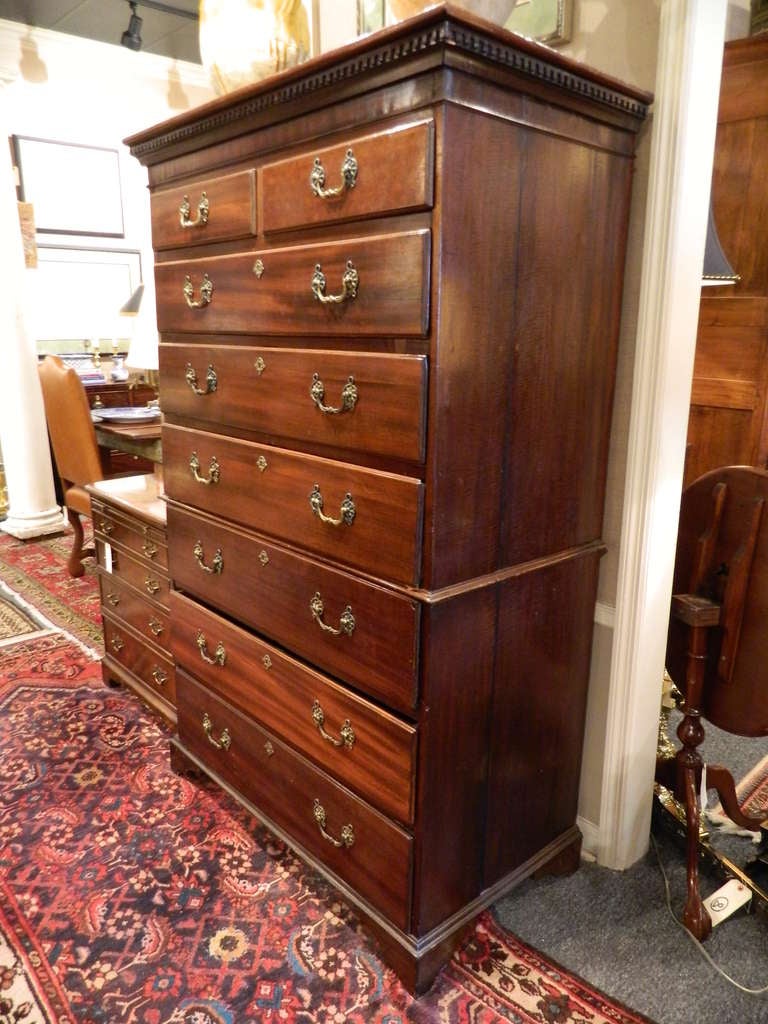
(211,380)
(214,470)
(149,549)
(348,177)
(206,292)
(152,586)
(117,643)
(159,675)
(203,208)
(348,396)
(346,621)
(219,655)
(155,626)
(113,599)
(349,284)
(347,832)
(216,566)
(106,527)
(347,508)
(346,732)
(224,742)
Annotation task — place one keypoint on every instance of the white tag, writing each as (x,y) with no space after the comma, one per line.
(727,900)
(108,557)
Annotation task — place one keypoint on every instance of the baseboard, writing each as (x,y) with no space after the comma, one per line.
(590,838)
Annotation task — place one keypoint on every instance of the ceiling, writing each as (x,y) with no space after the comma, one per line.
(162,31)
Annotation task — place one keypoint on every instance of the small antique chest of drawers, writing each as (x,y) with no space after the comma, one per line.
(132,556)
(388,286)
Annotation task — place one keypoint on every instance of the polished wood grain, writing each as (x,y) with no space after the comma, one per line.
(392,297)
(394,174)
(149,665)
(495,255)
(127,605)
(728,423)
(273,594)
(231,211)
(280,692)
(272,489)
(268,390)
(286,786)
(147,579)
(141,531)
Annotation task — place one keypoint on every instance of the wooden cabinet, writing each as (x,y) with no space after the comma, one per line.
(728,423)
(385,440)
(132,555)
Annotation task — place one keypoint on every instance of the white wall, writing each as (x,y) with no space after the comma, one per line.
(69,89)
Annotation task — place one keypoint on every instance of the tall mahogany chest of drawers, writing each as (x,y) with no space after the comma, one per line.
(388,286)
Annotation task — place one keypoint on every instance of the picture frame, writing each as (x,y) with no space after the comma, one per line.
(77,292)
(371,16)
(546,21)
(74,189)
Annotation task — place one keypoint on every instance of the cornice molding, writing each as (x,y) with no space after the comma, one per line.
(447,35)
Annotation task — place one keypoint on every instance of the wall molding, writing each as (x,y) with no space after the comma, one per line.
(685,115)
(605,614)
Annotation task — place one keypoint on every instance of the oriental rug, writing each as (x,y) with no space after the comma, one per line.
(131,894)
(752,794)
(37,572)
(17,618)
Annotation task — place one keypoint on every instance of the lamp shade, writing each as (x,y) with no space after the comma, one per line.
(717,269)
(131,307)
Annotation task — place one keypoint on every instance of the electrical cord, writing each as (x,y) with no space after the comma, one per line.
(694,940)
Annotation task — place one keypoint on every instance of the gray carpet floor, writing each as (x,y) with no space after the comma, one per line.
(615,930)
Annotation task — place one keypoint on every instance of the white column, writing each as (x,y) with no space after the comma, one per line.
(684,125)
(23,435)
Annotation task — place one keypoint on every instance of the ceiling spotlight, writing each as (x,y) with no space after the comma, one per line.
(132,35)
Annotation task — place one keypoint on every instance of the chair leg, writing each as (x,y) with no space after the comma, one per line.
(75,562)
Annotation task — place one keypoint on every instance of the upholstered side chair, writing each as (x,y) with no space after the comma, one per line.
(75,450)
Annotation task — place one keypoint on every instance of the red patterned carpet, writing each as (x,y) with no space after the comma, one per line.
(37,571)
(131,894)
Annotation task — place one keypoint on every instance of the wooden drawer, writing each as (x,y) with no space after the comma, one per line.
(231,212)
(111,526)
(373,635)
(147,579)
(376,860)
(363,746)
(154,669)
(270,292)
(125,604)
(380,400)
(362,517)
(387,172)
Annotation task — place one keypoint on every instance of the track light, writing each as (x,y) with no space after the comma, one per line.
(132,35)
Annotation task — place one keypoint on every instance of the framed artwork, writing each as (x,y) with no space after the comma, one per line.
(371,15)
(74,189)
(759,16)
(547,21)
(77,293)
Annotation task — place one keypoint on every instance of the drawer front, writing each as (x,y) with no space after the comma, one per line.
(374,856)
(153,669)
(271,292)
(387,172)
(363,633)
(113,528)
(353,400)
(362,517)
(148,580)
(211,210)
(367,749)
(125,604)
